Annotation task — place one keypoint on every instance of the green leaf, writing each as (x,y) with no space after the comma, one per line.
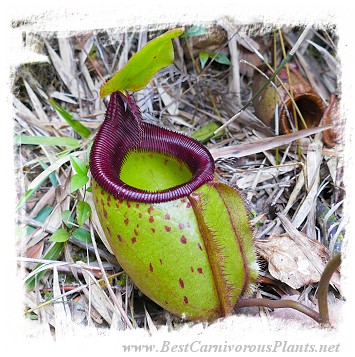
(83,211)
(88,150)
(60,236)
(41,217)
(142,66)
(78,181)
(37,182)
(52,254)
(204,132)
(29,193)
(75,124)
(52,176)
(204,56)
(46,140)
(195,30)
(78,165)
(82,234)
(222,59)
(122,280)
(89,189)
(67,218)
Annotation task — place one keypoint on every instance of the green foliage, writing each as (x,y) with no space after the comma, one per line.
(220,58)
(253,214)
(53,253)
(204,56)
(67,218)
(142,66)
(121,280)
(29,193)
(41,217)
(83,211)
(80,179)
(78,165)
(46,140)
(51,176)
(82,234)
(60,236)
(199,30)
(204,132)
(75,124)
(195,30)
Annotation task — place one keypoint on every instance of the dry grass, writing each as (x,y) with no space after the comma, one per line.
(298,188)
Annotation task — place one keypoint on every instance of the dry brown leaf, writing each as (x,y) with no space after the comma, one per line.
(37,105)
(45,313)
(62,315)
(46,199)
(65,66)
(263,174)
(309,247)
(168,100)
(263,144)
(98,298)
(35,251)
(248,58)
(77,310)
(306,209)
(289,263)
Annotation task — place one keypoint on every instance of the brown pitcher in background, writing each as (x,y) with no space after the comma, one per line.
(309,103)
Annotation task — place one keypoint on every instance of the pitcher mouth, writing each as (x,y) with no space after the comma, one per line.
(122,132)
(312,108)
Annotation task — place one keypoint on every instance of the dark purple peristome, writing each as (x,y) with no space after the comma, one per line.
(123,130)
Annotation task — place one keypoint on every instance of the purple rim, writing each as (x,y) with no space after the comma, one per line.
(124,130)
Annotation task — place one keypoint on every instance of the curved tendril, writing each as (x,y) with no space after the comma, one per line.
(323,316)
(291,304)
(323,287)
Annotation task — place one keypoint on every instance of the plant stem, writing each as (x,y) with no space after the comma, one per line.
(295,119)
(329,270)
(276,116)
(291,304)
(323,316)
